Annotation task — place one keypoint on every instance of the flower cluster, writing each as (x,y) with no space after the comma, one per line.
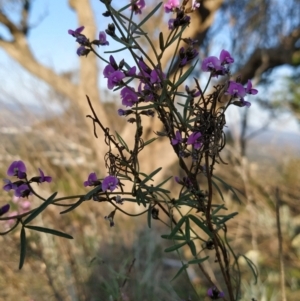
(108,183)
(85,44)
(21,187)
(220,66)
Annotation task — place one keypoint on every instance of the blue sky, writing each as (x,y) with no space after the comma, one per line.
(53,47)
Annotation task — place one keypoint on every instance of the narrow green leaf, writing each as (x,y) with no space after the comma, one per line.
(149,216)
(50,231)
(161,41)
(177,227)
(150,141)
(40,209)
(165,181)
(225,218)
(219,190)
(122,141)
(199,260)
(22,248)
(200,224)
(218,209)
(71,208)
(149,15)
(187,230)
(192,246)
(252,267)
(175,237)
(232,189)
(149,177)
(175,247)
(183,268)
(185,75)
(115,51)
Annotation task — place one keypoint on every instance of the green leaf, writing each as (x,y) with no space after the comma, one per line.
(175,237)
(89,195)
(183,268)
(161,41)
(71,208)
(22,248)
(218,209)
(252,267)
(224,219)
(153,173)
(149,216)
(175,247)
(192,246)
(187,230)
(40,209)
(177,227)
(122,141)
(200,224)
(232,189)
(219,190)
(149,15)
(165,181)
(50,231)
(185,75)
(199,260)
(150,141)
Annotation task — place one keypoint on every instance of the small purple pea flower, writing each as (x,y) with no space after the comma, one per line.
(215,294)
(110,183)
(225,57)
(249,89)
(193,139)
(23,191)
(9,185)
(92,180)
(129,96)
(18,169)
(171,6)
(4,209)
(177,139)
(236,90)
(77,32)
(211,64)
(44,178)
(82,51)
(138,6)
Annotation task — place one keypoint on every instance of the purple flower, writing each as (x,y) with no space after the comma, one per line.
(249,89)
(82,51)
(138,6)
(156,75)
(102,38)
(193,139)
(44,178)
(9,185)
(121,112)
(4,209)
(225,57)
(114,77)
(77,32)
(129,96)
(23,191)
(110,182)
(211,64)
(92,180)
(18,169)
(236,90)
(171,24)
(195,5)
(215,294)
(244,103)
(131,71)
(177,138)
(171,5)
